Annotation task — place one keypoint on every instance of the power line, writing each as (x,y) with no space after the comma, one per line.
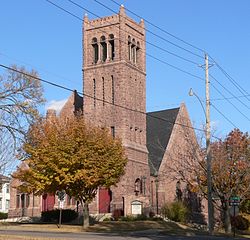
(241,89)
(229,101)
(101,100)
(39,68)
(163,30)
(224,116)
(219,99)
(63,9)
(164,62)
(245,93)
(229,91)
(152,44)
(164,39)
(151,56)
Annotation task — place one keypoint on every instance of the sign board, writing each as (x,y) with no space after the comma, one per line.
(234,201)
(61,203)
(61,195)
(136,207)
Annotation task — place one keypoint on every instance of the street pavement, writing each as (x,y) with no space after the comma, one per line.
(141,235)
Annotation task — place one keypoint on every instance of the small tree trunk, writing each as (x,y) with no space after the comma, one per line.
(227,219)
(86,215)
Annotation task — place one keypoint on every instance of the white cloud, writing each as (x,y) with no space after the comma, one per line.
(56,105)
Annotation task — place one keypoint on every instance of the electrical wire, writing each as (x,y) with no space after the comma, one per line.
(151,56)
(230,102)
(245,93)
(164,62)
(241,89)
(220,99)
(161,29)
(154,34)
(151,44)
(101,100)
(229,91)
(224,116)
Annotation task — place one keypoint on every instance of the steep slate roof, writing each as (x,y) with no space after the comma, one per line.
(159,130)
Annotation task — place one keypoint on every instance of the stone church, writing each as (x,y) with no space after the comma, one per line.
(159,145)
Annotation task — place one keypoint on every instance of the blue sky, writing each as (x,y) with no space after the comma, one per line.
(38,35)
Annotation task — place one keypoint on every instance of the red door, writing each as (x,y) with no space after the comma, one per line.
(48,202)
(104,200)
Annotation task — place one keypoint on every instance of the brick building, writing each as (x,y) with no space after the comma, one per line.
(114,80)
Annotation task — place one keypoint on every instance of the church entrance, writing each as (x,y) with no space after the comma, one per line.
(48,202)
(105,197)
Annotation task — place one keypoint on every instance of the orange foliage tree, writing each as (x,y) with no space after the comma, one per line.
(230,171)
(68,154)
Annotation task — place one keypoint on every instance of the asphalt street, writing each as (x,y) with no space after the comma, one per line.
(142,235)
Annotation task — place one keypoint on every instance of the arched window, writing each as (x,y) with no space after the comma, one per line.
(104,48)
(129,48)
(133,51)
(95,50)
(137,52)
(138,186)
(178,191)
(112,46)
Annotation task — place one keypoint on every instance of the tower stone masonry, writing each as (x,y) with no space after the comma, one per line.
(114,83)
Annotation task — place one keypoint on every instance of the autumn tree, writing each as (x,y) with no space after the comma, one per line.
(21,94)
(68,154)
(230,172)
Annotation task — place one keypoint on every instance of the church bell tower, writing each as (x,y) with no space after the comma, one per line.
(115,96)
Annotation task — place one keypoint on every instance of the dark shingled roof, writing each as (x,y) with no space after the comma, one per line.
(78,102)
(159,129)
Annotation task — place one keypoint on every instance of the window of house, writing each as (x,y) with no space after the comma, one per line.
(113,131)
(95,50)
(7,188)
(104,48)
(112,46)
(7,204)
(1,200)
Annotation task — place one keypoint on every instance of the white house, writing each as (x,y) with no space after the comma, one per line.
(4,193)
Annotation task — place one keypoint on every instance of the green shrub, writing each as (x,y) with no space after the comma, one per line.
(175,211)
(68,215)
(3,215)
(240,222)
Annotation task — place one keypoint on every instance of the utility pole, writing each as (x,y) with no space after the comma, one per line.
(208,153)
